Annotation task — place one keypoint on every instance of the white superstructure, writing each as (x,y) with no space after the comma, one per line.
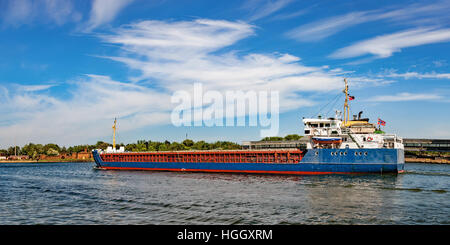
(344,133)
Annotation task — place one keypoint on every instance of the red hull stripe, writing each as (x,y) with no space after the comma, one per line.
(227,171)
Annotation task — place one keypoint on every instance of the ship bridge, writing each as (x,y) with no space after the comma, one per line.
(324,127)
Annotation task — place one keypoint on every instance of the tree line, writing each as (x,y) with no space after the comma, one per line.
(288,137)
(35,150)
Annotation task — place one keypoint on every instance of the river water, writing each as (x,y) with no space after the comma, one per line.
(75,193)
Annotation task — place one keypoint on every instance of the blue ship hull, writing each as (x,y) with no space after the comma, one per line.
(316,161)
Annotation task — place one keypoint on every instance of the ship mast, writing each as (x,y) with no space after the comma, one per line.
(346,106)
(114,134)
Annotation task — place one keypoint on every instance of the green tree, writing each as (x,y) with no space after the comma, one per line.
(52,152)
(50,146)
(175,146)
(13,150)
(292,137)
(130,147)
(188,142)
(140,147)
(200,145)
(30,149)
(162,147)
(102,145)
(273,138)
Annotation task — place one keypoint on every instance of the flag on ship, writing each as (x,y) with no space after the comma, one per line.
(381,122)
(351,97)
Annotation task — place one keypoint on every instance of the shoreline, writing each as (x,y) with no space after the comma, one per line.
(426,160)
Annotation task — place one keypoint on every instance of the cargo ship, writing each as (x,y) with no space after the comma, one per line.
(335,146)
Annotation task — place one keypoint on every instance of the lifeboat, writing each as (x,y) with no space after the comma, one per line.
(327,140)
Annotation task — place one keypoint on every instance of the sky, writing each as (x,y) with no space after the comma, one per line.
(68,68)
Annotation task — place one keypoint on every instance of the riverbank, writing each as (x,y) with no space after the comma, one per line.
(427,157)
(426,160)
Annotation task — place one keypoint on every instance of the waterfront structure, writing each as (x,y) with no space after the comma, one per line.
(437,145)
(332,146)
(20,157)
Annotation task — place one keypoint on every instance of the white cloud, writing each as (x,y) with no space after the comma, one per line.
(385,45)
(160,40)
(414,14)
(174,55)
(17,12)
(261,9)
(104,11)
(33,88)
(291,15)
(325,28)
(170,56)
(408,75)
(61,11)
(20,12)
(86,115)
(405,97)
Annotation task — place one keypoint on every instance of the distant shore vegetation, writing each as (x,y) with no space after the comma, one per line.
(35,151)
(288,137)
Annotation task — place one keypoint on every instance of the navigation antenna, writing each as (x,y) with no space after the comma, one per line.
(114,133)
(346,106)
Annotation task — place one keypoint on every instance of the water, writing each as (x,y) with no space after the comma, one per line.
(75,193)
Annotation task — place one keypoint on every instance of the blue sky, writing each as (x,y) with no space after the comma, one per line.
(67,67)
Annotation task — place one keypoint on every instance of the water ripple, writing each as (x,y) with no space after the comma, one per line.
(75,193)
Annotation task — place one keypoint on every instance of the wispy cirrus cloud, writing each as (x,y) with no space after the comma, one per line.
(321,29)
(409,75)
(292,15)
(85,115)
(104,11)
(260,9)
(33,88)
(385,45)
(405,97)
(414,14)
(169,56)
(23,12)
(174,55)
